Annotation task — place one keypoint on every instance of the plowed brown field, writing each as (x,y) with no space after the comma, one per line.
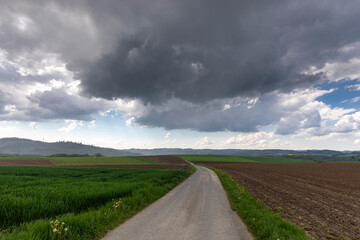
(169,162)
(26,163)
(140,166)
(323,199)
(167,159)
(173,162)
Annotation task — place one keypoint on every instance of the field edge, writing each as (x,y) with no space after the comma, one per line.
(262,222)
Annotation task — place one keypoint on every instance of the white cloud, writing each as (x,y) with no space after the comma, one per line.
(322,138)
(226,107)
(130,122)
(25,83)
(305,114)
(353,100)
(56,83)
(22,22)
(300,98)
(205,141)
(336,71)
(355,87)
(33,125)
(346,126)
(10,108)
(252,139)
(73,124)
(92,124)
(348,123)
(29,96)
(167,135)
(259,140)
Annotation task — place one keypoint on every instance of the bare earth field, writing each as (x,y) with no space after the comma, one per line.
(323,199)
(169,162)
(26,163)
(167,159)
(141,166)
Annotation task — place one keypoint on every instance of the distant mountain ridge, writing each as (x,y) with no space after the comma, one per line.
(239,152)
(20,146)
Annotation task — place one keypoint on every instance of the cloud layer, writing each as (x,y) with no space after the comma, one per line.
(202,65)
(198,51)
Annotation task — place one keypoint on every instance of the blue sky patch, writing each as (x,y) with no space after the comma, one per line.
(344,96)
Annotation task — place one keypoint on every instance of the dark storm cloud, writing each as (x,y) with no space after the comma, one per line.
(212,116)
(183,59)
(203,50)
(35,28)
(57,104)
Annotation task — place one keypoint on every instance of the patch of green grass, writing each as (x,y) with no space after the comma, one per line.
(250,159)
(30,197)
(261,221)
(68,161)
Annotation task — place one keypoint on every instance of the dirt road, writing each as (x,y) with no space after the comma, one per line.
(196,209)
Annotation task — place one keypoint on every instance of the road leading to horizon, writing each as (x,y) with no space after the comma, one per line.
(196,209)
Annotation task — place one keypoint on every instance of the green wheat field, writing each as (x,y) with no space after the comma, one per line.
(76,203)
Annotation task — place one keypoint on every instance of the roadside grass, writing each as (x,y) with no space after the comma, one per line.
(248,159)
(68,161)
(261,221)
(193,168)
(82,198)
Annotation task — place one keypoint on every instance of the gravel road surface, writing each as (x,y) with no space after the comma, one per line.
(196,209)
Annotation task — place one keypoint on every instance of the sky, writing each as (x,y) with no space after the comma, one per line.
(239,74)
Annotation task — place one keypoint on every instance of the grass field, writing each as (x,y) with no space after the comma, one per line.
(84,199)
(68,161)
(230,158)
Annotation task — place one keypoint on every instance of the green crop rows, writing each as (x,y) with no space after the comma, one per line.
(82,198)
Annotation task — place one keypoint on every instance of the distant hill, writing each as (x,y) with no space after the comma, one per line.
(314,155)
(240,152)
(19,146)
